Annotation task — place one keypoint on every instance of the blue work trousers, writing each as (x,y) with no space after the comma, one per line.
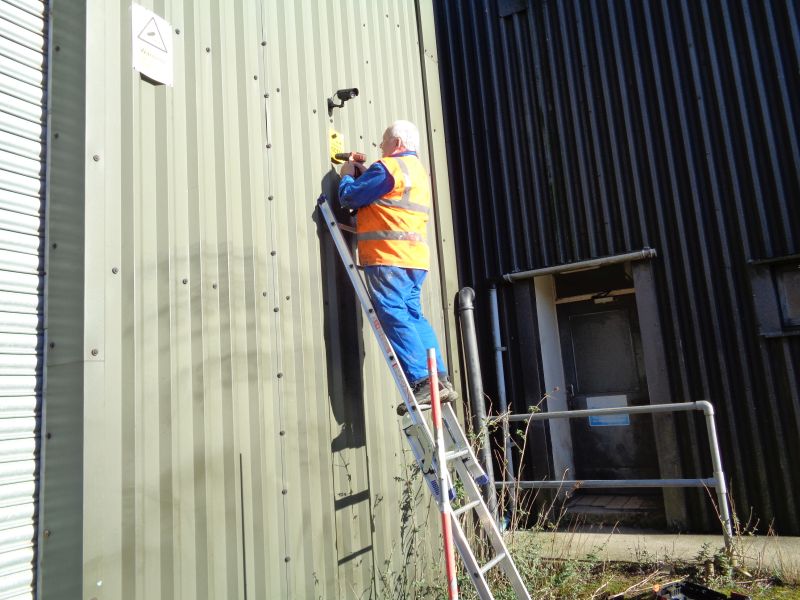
(395,294)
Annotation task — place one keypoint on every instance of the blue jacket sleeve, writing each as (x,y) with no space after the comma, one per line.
(374,183)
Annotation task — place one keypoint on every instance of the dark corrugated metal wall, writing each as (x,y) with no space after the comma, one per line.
(584,129)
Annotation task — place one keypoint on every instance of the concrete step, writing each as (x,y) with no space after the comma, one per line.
(615,509)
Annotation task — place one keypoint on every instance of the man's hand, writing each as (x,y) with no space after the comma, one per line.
(352,168)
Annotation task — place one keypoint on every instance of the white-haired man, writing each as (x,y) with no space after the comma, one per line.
(393,199)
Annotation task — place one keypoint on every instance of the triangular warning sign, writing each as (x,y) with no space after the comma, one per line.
(151,35)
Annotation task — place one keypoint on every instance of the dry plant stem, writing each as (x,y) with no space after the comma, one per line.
(515,514)
(596,593)
(639,586)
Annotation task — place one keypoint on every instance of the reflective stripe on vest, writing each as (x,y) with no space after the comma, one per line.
(392,230)
(409,236)
(404,201)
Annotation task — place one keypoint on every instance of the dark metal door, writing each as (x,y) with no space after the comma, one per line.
(603,367)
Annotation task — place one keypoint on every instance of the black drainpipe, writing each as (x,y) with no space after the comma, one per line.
(466,316)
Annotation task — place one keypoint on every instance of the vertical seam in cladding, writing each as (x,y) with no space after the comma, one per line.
(745,122)
(164,285)
(482,224)
(128,352)
(575,126)
(505,177)
(595,176)
(671,171)
(550,207)
(313,262)
(266,371)
(682,242)
(457,157)
(722,102)
(628,118)
(196,307)
(164,202)
(791,129)
(655,186)
(434,191)
(722,347)
(572,250)
(611,130)
(296,326)
(248,225)
(244,391)
(278,386)
(485,186)
(742,234)
(222,252)
(766,122)
(527,181)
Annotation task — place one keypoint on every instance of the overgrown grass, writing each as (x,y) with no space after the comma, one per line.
(593,578)
(553,574)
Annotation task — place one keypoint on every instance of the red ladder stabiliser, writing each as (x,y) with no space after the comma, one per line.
(444,497)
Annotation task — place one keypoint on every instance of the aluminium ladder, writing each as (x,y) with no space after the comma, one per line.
(418,434)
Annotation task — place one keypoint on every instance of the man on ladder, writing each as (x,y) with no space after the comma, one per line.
(393,200)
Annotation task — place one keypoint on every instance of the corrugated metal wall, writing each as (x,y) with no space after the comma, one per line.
(585,129)
(240,439)
(22,98)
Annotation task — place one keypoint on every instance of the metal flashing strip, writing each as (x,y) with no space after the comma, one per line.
(775,260)
(643,254)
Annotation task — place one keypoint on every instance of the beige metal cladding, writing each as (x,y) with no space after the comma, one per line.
(22,94)
(237,443)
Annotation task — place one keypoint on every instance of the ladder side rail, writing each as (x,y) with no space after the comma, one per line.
(460,442)
(470,561)
(492,532)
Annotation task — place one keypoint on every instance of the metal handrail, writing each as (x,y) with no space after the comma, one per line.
(717,480)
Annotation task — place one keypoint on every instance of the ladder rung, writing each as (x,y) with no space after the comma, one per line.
(462,509)
(456,454)
(492,563)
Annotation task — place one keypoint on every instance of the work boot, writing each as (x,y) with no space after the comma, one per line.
(452,394)
(422,394)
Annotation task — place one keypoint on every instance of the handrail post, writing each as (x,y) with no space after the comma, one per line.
(719,474)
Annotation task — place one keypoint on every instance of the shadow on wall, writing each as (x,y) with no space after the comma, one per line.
(344,357)
(342,327)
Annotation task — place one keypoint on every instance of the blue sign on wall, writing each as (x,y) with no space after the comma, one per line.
(608,402)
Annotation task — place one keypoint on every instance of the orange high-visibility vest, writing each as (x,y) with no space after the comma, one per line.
(392,230)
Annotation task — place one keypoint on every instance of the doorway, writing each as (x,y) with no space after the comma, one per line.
(601,345)
(604,367)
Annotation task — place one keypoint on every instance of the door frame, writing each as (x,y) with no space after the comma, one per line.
(658,384)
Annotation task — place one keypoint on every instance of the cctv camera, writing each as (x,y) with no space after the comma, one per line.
(343,96)
(347,94)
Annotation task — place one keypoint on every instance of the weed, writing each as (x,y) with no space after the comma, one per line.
(557,569)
